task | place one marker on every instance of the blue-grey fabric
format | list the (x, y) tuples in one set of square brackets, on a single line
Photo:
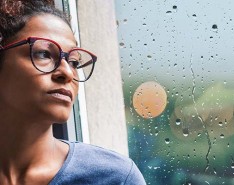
[(91, 165)]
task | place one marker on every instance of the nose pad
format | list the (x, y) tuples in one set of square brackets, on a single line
[(63, 73)]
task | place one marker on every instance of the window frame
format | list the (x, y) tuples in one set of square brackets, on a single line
[(77, 124)]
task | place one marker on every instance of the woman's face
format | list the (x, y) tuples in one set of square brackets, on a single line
[(29, 93)]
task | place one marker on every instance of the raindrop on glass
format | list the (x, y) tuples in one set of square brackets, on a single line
[(168, 12), (150, 167), (178, 121), (214, 26), (167, 140), (185, 132), (215, 172), (221, 136), (156, 131), (149, 57), (121, 44), (220, 124), (117, 23)]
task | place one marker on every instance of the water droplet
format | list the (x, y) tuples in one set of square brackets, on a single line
[(221, 136), (220, 124), (150, 167), (185, 132), (117, 23), (156, 134), (174, 7), (149, 56), (232, 166), (121, 44), (214, 26), (178, 121), (167, 140), (215, 172), (168, 12)]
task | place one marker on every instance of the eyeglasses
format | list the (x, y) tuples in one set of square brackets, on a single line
[(46, 56)]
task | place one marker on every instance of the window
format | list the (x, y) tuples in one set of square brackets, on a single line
[(177, 69), (77, 127)]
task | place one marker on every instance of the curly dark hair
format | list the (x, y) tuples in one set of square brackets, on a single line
[(14, 14)]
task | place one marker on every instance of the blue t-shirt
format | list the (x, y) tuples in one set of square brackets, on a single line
[(91, 165)]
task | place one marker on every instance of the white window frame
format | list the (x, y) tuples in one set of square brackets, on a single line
[(73, 131)]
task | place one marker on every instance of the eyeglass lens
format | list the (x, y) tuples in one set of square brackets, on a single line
[(46, 57)]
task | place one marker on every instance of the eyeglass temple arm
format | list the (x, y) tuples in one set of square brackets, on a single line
[(93, 60), (14, 45)]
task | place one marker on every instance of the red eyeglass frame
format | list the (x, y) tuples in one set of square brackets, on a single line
[(32, 40)]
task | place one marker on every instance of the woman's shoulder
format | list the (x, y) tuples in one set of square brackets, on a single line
[(89, 164), (96, 152), (101, 159)]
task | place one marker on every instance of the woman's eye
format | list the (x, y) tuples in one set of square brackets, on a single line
[(74, 63), (43, 54)]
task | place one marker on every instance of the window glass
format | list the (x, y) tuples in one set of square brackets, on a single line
[(177, 70), (76, 128)]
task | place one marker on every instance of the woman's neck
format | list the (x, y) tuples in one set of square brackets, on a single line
[(29, 152)]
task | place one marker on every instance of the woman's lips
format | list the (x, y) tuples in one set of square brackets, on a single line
[(61, 94)]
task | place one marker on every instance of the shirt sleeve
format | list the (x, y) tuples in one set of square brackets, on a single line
[(135, 177)]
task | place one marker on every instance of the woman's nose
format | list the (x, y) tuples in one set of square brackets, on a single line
[(63, 73)]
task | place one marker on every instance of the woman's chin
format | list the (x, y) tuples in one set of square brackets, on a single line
[(61, 119)]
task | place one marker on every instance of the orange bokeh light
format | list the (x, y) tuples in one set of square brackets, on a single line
[(149, 99)]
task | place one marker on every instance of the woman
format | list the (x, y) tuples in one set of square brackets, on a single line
[(41, 68)]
